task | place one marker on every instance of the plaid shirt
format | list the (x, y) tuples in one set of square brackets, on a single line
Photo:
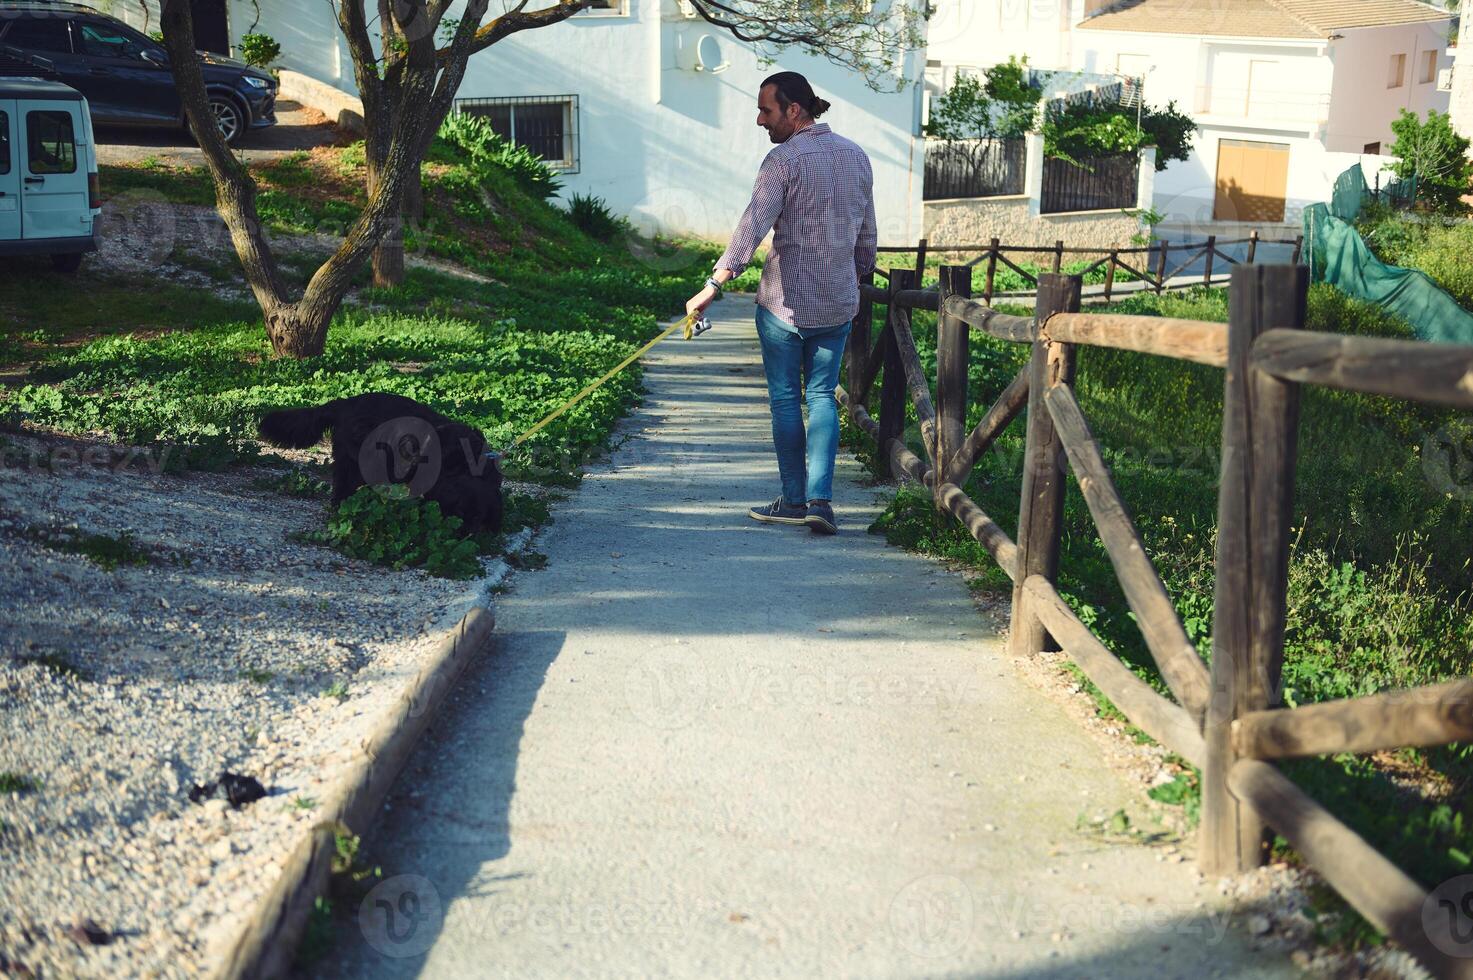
[(815, 192)]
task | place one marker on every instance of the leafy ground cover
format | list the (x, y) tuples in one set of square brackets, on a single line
[(1380, 575), (550, 309), (1423, 242)]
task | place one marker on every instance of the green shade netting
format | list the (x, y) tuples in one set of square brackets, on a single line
[(1340, 257)]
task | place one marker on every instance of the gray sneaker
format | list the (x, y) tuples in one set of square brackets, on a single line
[(820, 518), (779, 512)]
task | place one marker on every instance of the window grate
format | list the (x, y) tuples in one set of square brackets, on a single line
[(545, 124)]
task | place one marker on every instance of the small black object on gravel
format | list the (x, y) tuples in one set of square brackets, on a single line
[(89, 933), (238, 789)]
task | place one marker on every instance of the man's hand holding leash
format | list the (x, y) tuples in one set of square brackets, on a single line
[(695, 307)]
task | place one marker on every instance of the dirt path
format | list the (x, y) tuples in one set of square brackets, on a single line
[(297, 128), (706, 747)]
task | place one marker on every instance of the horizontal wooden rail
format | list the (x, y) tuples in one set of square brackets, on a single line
[(982, 527), (933, 248), (1181, 667), (1153, 714), (1414, 369), (922, 299), (1188, 340), (1003, 326), (1422, 716), (1378, 889)]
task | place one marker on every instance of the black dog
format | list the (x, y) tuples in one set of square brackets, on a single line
[(380, 438)]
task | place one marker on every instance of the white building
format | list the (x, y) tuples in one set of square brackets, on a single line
[(1288, 93), (641, 103), (1461, 81)]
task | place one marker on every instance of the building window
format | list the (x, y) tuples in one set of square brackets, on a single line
[(1372, 149), (547, 125), (1429, 67), (606, 8), (1398, 71)]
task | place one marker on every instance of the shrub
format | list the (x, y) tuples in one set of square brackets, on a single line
[(1001, 104), (1431, 153), (475, 137), (592, 215), (387, 526), (259, 50), (1081, 130)]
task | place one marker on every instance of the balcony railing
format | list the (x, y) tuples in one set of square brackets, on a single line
[(1262, 105)]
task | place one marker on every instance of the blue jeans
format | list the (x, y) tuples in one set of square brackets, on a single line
[(803, 364)]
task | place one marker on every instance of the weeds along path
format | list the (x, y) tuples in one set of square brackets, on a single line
[(700, 746)]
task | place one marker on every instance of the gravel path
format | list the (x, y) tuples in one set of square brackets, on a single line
[(707, 747), (232, 647)]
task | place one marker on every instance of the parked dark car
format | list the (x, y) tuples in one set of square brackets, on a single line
[(124, 74)]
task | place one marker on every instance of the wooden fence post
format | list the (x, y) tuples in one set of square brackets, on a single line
[(991, 272), (920, 263), (951, 374), (1110, 273), (1058, 254), (1041, 512), (1255, 499), (1252, 245), (1211, 252), (860, 336), (892, 388), (1161, 266)]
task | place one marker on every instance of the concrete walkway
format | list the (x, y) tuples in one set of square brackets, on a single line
[(703, 747)]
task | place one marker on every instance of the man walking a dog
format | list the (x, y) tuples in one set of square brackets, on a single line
[(814, 191)]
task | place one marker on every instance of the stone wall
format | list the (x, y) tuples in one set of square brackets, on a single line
[(974, 221)]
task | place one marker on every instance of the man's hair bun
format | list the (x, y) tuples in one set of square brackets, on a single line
[(817, 107)]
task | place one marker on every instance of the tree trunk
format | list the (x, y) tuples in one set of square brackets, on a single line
[(298, 329), (388, 254)]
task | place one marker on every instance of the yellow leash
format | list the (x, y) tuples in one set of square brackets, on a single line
[(691, 325)]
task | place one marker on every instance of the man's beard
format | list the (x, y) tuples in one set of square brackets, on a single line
[(776, 137)]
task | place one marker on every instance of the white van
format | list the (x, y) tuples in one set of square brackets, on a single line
[(48, 172)]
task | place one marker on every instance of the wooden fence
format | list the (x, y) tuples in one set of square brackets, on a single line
[(975, 168), (1224, 719), (1099, 183), (1150, 264)]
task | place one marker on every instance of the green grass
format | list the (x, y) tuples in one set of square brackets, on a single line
[(17, 783), (1379, 588), (108, 551), (1440, 250)]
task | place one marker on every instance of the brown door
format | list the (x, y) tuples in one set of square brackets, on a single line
[(1252, 179)]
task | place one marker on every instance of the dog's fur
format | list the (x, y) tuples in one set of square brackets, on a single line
[(467, 486)]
